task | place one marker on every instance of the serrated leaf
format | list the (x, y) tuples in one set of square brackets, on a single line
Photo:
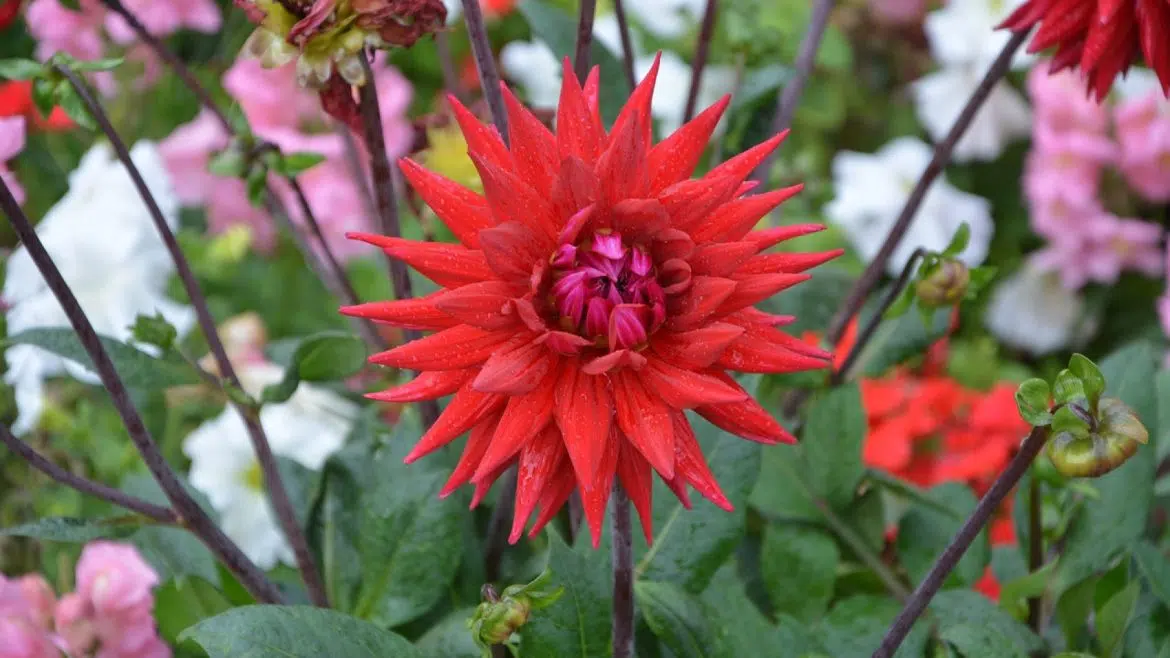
[(137, 369), (281, 631), (680, 621), (923, 534), (578, 624), (325, 356), (799, 566), (20, 69), (855, 626), (967, 608), (832, 442), (74, 530)]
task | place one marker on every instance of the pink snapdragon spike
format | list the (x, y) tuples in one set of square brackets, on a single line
[(11, 144)]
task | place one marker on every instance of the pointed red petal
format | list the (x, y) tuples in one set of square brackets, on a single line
[(693, 307), (534, 148), (644, 420), (575, 188), (578, 132), (746, 419), (516, 368), (745, 163), (595, 494), (614, 361), (634, 473), (477, 445), (484, 485), (427, 386), (513, 250), (691, 202), (584, 412), (721, 258), (540, 461), (592, 91), (524, 417), (461, 346), (746, 355), (482, 139), (687, 389), (785, 262), (465, 411), (639, 101), (733, 220), (770, 237), (487, 305), (418, 313), (463, 211), (638, 219), (621, 169), (513, 200), (755, 288), (553, 498), (765, 332), (675, 158), (448, 265), (697, 348), (691, 466)]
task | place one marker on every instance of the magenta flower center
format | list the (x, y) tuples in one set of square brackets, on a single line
[(607, 291)]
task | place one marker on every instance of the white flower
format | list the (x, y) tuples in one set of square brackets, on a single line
[(666, 19), (1004, 117), (307, 429), (1033, 312), (963, 32), (674, 83), (872, 188), (534, 66), (106, 246)]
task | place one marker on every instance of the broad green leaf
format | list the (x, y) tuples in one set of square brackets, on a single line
[(814, 302), (742, 629), (978, 642), (73, 530), (900, 339), (855, 626), (690, 545), (1113, 618), (578, 624), (1154, 568), (558, 29), (910, 492), (1074, 606), (182, 602), (680, 621), (279, 631), (1090, 375), (1014, 593), (832, 444), (972, 610), (450, 638), (136, 368), (924, 532), (172, 552), (20, 69), (1032, 401), (325, 356), (780, 491), (799, 566), (67, 98), (1162, 436), (1105, 527), (294, 164), (959, 242)]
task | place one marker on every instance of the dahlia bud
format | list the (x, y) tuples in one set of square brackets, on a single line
[(944, 285), (501, 615), (1089, 445)]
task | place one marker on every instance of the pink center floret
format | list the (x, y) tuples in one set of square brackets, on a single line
[(607, 289)]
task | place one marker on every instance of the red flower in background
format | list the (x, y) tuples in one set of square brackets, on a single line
[(1102, 37), (9, 10), (16, 100), (597, 292)]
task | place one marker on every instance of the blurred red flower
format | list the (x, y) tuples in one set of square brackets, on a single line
[(16, 100)]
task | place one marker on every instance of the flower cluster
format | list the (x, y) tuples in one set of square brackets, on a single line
[(110, 615), (1088, 173)]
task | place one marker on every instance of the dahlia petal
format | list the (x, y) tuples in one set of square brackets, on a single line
[(487, 305), (578, 132), (638, 219), (622, 166), (477, 445), (614, 361), (639, 102), (770, 237), (634, 473), (627, 325), (552, 499), (426, 386), (465, 411), (771, 335), (721, 258), (484, 485), (644, 419), (740, 166), (675, 276), (534, 147), (516, 370), (785, 262), (1063, 25), (592, 91), (692, 467), (461, 346), (512, 249), (697, 348), (595, 494), (460, 209), (705, 296), (572, 228), (753, 289), (540, 461), (675, 158), (565, 343), (746, 355), (482, 139), (575, 188), (583, 409), (745, 419), (420, 313), (1153, 19), (524, 418), (735, 219), (691, 202), (687, 389), (449, 265), (678, 486), (671, 243), (513, 200)]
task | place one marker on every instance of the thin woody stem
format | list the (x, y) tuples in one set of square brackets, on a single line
[(485, 64), (942, 155), (85, 485), (278, 495), (1035, 547), (447, 65), (706, 33), (191, 515), (581, 58), (623, 574), (961, 542), (791, 93), (619, 8)]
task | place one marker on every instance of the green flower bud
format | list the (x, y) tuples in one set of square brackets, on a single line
[(154, 330), (943, 285), (501, 615), (1088, 445)]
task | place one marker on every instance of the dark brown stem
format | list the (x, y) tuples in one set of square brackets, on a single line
[(790, 94), (623, 574), (961, 542), (1035, 547), (447, 64), (619, 8), (706, 33), (485, 64), (190, 514), (942, 155), (498, 525), (581, 58), (387, 199), (278, 495), (84, 485)]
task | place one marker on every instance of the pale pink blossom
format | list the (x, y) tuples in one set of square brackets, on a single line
[(1143, 132), (11, 144), (19, 638), (163, 17), (59, 29), (1102, 248), (271, 97), (898, 12), (24, 631), (1064, 116)]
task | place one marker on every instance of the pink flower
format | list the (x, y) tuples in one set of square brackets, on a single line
[(11, 143), (115, 578), (1104, 246), (1061, 190), (58, 29), (271, 97), (1061, 109), (898, 12), (24, 631), (19, 638), (1143, 131), (163, 17)]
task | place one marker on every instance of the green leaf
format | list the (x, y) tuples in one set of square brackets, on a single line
[(1113, 618), (1014, 593), (977, 642), (180, 603), (154, 330), (901, 305), (558, 29), (20, 69), (67, 98), (43, 95), (959, 242), (855, 626), (832, 444), (799, 567), (991, 624), (280, 631), (73, 530), (578, 624), (1073, 608), (89, 65), (740, 626), (295, 164), (924, 532), (1153, 565), (1068, 388), (1067, 420), (450, 638), (690, 545), (1032, 401), (172, 552), (901, 339), (780, 491), (1106, 527), (229, 163), (909, 492), (1090, 375), (325, 356), (137, 369), (680, 622)]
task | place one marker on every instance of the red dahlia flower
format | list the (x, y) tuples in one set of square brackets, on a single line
[(1102, 37), (598, 293)]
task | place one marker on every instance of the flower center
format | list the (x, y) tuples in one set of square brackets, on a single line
[(607, 291), (253, 477)]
